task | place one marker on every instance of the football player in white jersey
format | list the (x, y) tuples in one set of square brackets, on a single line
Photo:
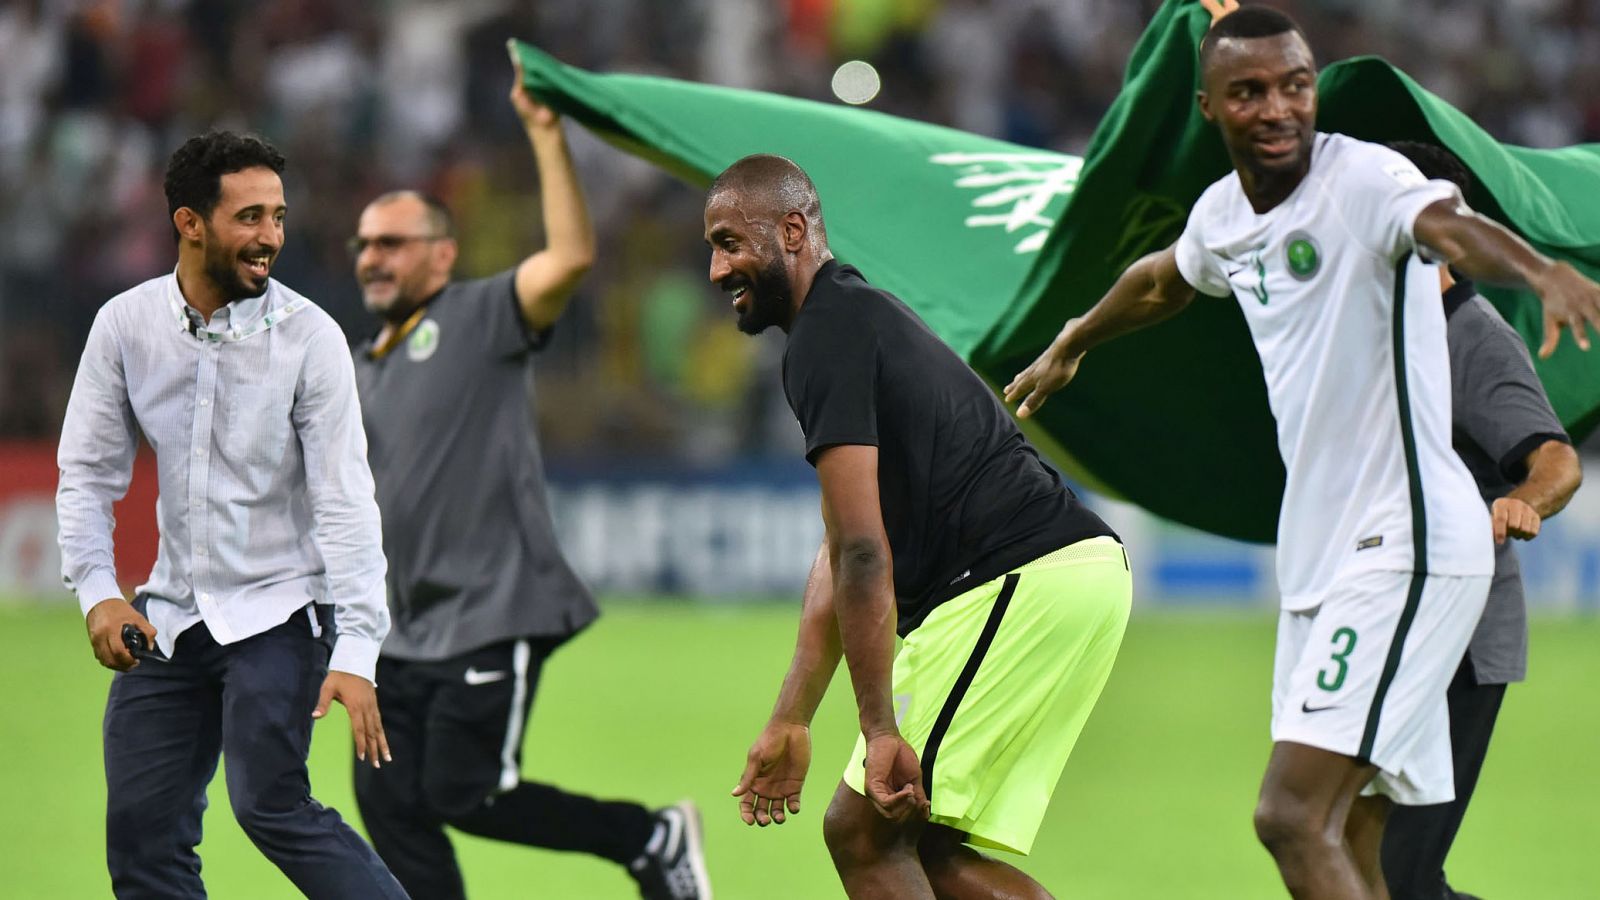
[(1384, 550)]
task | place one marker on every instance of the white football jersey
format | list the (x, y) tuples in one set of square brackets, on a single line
[(1352, 343)]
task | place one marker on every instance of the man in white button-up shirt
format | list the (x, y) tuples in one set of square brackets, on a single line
[(266, 602)]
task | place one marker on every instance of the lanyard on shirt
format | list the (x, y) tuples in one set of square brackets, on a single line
[(379, 351), (180, 311)]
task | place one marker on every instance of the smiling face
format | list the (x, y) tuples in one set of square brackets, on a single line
[(401, 259), (244, 233), (1262, 94), (747, 262)]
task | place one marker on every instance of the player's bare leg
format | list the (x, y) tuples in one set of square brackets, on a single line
[(1305, 802), (875, 858), (1363, 831), (958, 872)]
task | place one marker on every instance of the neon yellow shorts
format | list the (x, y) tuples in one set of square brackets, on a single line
[(993, 688)]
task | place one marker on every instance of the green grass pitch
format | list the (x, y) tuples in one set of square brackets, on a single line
[(659, 701)]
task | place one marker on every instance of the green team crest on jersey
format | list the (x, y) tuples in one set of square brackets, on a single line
[(1303, 255), (423, 341)]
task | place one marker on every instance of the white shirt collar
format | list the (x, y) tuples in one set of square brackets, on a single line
[(243, 318)]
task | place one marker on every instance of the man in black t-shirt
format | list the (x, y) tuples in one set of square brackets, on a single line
[(943, 525), (479, 592)]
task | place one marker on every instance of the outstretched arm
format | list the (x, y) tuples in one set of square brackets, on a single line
[(1486, 251), (546, 279), (1150, 291)]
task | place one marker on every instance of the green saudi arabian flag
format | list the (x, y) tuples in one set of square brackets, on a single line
[(947, 220), (995, 245)]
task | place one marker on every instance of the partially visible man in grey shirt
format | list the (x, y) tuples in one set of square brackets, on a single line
[(479, 590), (266, 601), (1526, 470)]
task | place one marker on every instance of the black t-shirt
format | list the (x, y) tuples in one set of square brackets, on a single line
[(965, 498)]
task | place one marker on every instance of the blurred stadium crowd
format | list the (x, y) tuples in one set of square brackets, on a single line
[(364, 97)]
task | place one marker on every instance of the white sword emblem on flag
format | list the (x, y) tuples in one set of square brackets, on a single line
[(1024, 182)]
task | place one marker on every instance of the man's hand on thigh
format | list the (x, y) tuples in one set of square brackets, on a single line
[(894, 779)]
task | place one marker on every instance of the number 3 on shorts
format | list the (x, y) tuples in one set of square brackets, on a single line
[(1340, 659)]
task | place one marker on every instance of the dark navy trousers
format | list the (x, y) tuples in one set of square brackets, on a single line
[(166, 723)]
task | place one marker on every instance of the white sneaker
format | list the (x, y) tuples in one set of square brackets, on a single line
[(673, 864)]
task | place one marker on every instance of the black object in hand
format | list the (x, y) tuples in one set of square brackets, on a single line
[(135, 641)]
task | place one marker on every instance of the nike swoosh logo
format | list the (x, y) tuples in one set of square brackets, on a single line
[(475, 678), (1306, 707), (1237, 271)]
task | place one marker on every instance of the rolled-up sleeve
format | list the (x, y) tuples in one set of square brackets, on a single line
[(98, 440), (344, 508)]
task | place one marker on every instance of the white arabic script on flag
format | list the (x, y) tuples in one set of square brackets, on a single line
[(1017, 187)]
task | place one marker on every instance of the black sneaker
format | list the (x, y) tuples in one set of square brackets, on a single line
[(673, 864)]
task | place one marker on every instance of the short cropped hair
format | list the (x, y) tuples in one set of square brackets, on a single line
[(775, 180), (1247, 22)]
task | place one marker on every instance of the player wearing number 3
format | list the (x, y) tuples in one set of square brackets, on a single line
[(1384, 549)]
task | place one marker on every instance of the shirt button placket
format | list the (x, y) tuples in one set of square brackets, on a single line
[(200, 474)]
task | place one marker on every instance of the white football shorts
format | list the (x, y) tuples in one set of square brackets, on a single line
[(1365, 672)]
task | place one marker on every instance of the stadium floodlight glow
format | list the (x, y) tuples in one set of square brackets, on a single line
[(856, 82)]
